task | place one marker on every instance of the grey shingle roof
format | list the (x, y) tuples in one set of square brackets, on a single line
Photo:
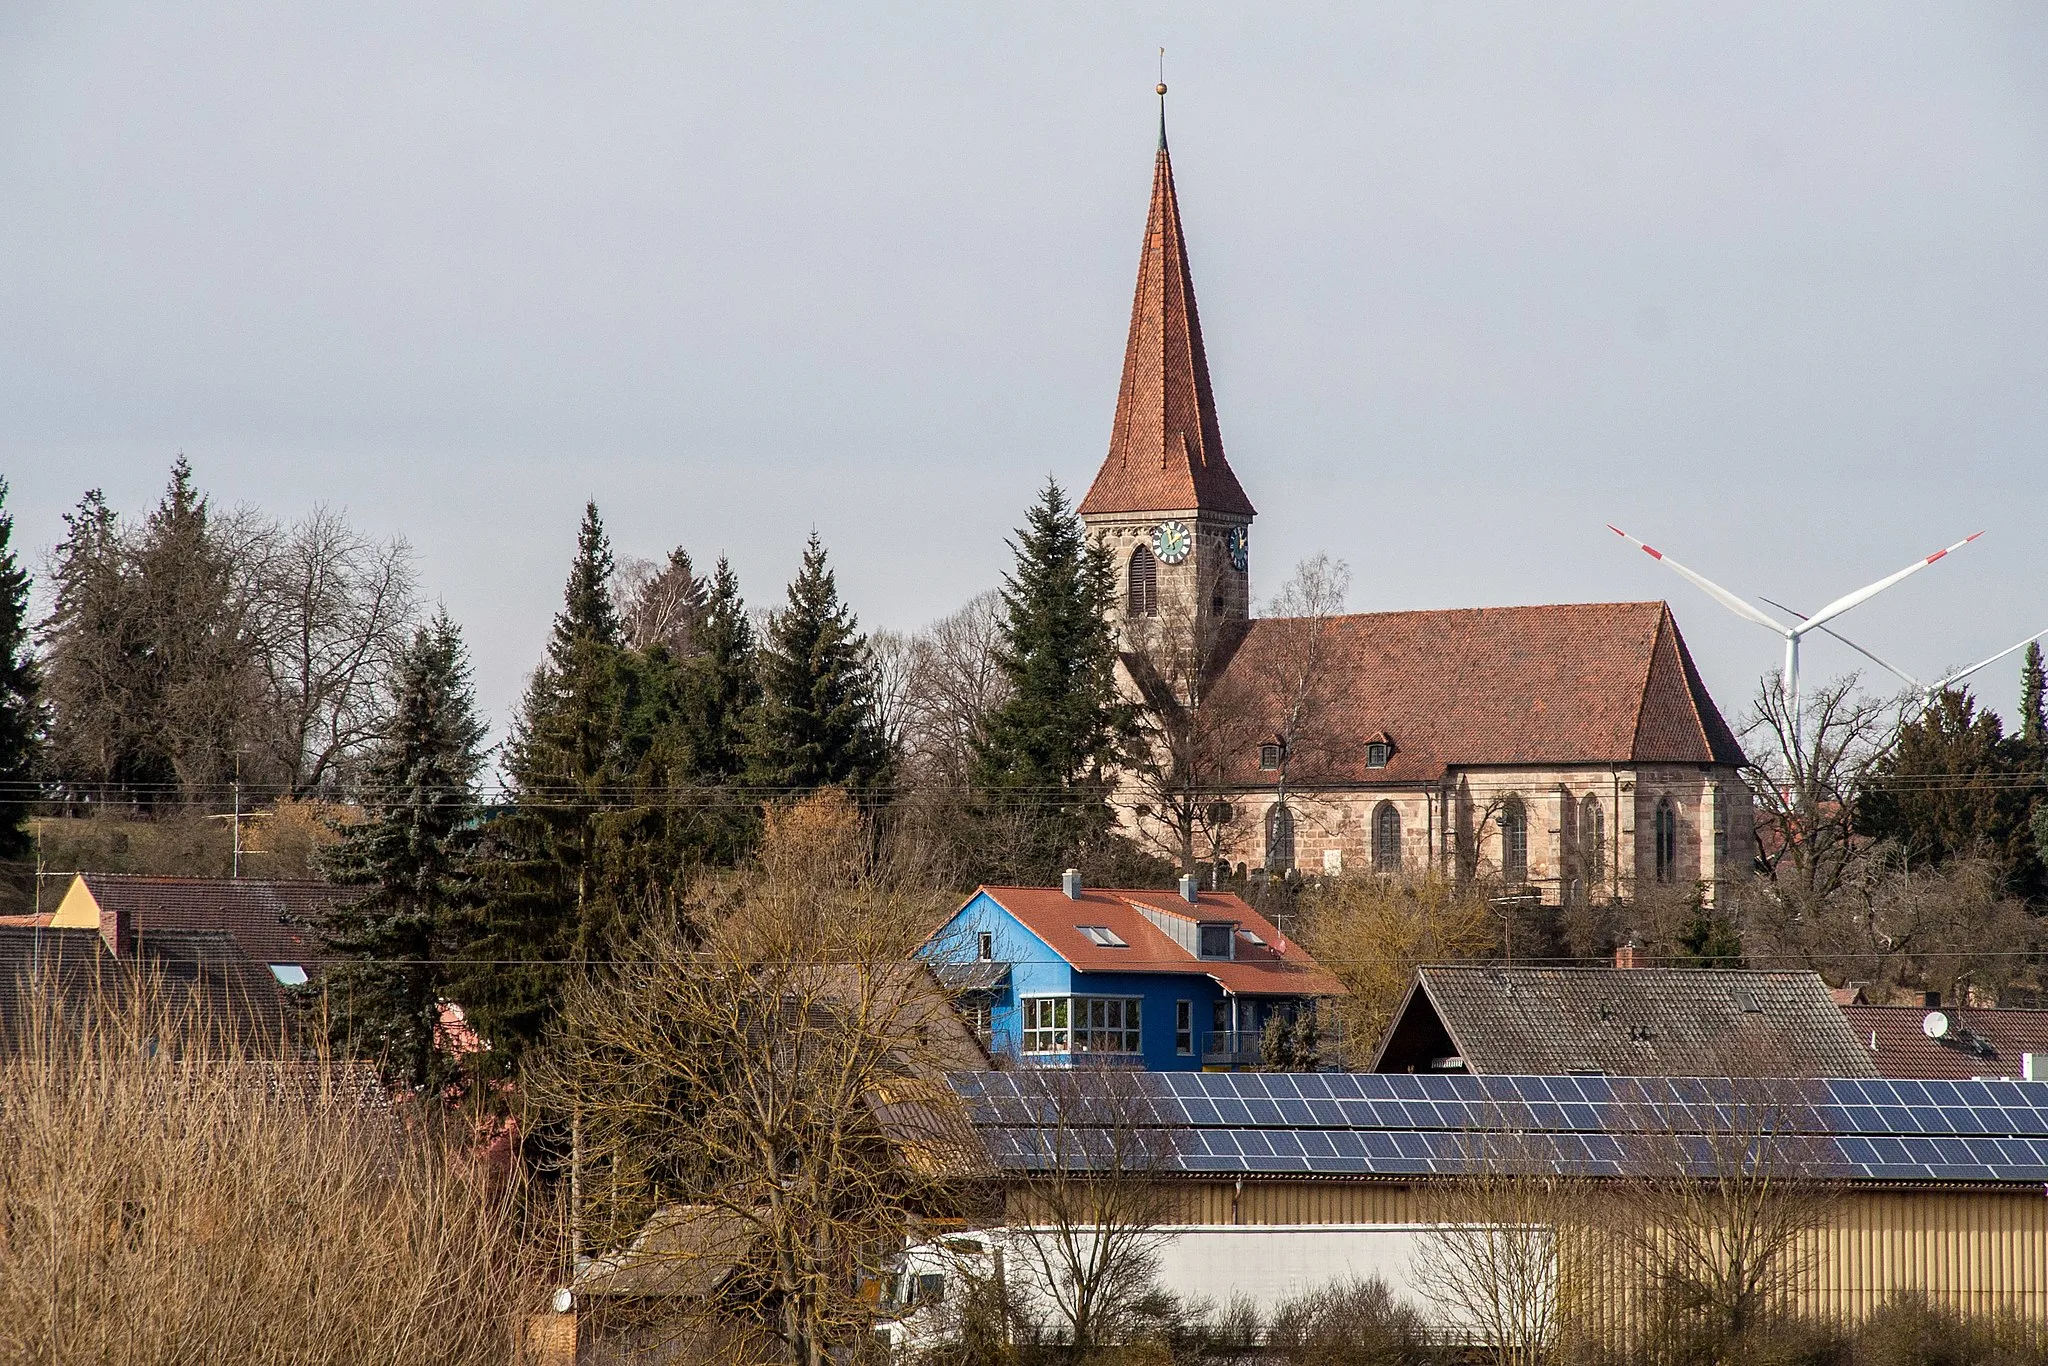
[(1626, 1022), (201, 968)]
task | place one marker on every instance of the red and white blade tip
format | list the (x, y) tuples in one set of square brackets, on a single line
[(1651, 551), (1957, 546)]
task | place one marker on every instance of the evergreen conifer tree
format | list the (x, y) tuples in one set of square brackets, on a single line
[(1047, 751), (21, 713), (411, 853), (727, 685), (816, 725), (543, 905), (2033, 697)]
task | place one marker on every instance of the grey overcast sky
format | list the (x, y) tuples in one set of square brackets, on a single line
[(1764, 284)]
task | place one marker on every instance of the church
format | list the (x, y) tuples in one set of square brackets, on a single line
[(1568, 752)]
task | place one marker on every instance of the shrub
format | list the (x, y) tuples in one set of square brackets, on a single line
[(167, 1198), (1348, 1323)]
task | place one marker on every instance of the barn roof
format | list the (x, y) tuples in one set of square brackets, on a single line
[(1500, 1019), (273, 920), (1989, 1043)]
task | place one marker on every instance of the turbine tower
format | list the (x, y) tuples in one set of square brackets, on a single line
[(1928, 691)]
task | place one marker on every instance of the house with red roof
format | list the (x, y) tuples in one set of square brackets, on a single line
[(1166, 981)]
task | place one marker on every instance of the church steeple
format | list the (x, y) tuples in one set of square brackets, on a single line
[(1165, 449)]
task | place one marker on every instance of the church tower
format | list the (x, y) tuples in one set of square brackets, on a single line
[(1165, 502)]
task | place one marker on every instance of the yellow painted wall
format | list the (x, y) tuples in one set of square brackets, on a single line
[(77, 911)]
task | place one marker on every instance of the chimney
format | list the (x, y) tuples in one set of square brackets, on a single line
[(1187, 889), (1931, 1001), (1628, 956), (117, 928), (1070, 883)]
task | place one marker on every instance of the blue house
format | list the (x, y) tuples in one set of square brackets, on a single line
[(1167, 981)]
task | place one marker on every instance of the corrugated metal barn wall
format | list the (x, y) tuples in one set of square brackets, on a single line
[(1973, 1250)]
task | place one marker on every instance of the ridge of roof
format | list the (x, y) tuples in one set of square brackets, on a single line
[(1165, 445)]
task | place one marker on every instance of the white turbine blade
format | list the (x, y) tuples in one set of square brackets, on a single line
[(1704, 584), (1889, 668), (1863, 595), (1983, 663)]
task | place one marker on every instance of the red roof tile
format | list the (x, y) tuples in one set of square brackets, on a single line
[(1165, 447), (1903, 1048), (1275, 967), (1566, 683)]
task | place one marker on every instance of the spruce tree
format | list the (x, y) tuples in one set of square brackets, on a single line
[(726, 684), (21, 712), (411, 852), (2033, 695), (816, 725), (1046, 753), (543, 906)]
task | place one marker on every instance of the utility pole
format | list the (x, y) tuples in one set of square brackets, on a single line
[(236, 873)]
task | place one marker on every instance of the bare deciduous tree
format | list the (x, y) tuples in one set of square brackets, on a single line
[(786, 1078), (1492, 1265), (1086, 1229), (1717, 1211), (660, 604), (950, 682), (331, 609)]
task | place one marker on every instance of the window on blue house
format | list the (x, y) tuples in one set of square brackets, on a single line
[(1184, 1028), (985, 946), (1106, 1024), (1214, 941), (1045, 1024)]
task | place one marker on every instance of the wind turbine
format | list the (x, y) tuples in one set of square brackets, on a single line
[(1928, 691), (1792, 634)]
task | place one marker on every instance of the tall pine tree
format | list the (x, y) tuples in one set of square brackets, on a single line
[(2033, 696), (1045, 757), (816, 725), (543, 905), (411, 852), (726, 687), (21, 711)]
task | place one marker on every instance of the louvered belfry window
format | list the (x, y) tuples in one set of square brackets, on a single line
[(1144, 583)]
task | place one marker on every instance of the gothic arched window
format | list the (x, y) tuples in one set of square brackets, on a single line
[(1667, 841), (1279, 838), (1386, 838), (1514, 843), (1144, 583), (1592, 839)]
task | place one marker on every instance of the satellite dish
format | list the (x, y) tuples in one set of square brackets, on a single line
[(1937, 1024), (565, 1300)]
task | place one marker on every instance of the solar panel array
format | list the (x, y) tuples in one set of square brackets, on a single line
[(1335, 1123)]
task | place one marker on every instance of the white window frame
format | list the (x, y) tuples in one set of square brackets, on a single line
[(1096, 1025), (1044, 1022), (985, 946), (1109, 1024), (1184, 1028)]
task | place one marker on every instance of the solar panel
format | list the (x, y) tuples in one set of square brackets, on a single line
[(1874, 1129)]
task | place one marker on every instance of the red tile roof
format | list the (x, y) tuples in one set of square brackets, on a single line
[(1276, 967), (1904, 1050), (271, 920), (1566, 683), (1165, 448)]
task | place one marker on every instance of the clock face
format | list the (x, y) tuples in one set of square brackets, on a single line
[(1171, 542), (1239, 543)]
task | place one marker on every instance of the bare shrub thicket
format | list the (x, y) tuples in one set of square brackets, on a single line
[(783, 1078), (1713, 1223), (166, 1198), (1372, 932), (1492, 1266)]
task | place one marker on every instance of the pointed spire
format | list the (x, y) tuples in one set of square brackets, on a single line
[(1165, 448)]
